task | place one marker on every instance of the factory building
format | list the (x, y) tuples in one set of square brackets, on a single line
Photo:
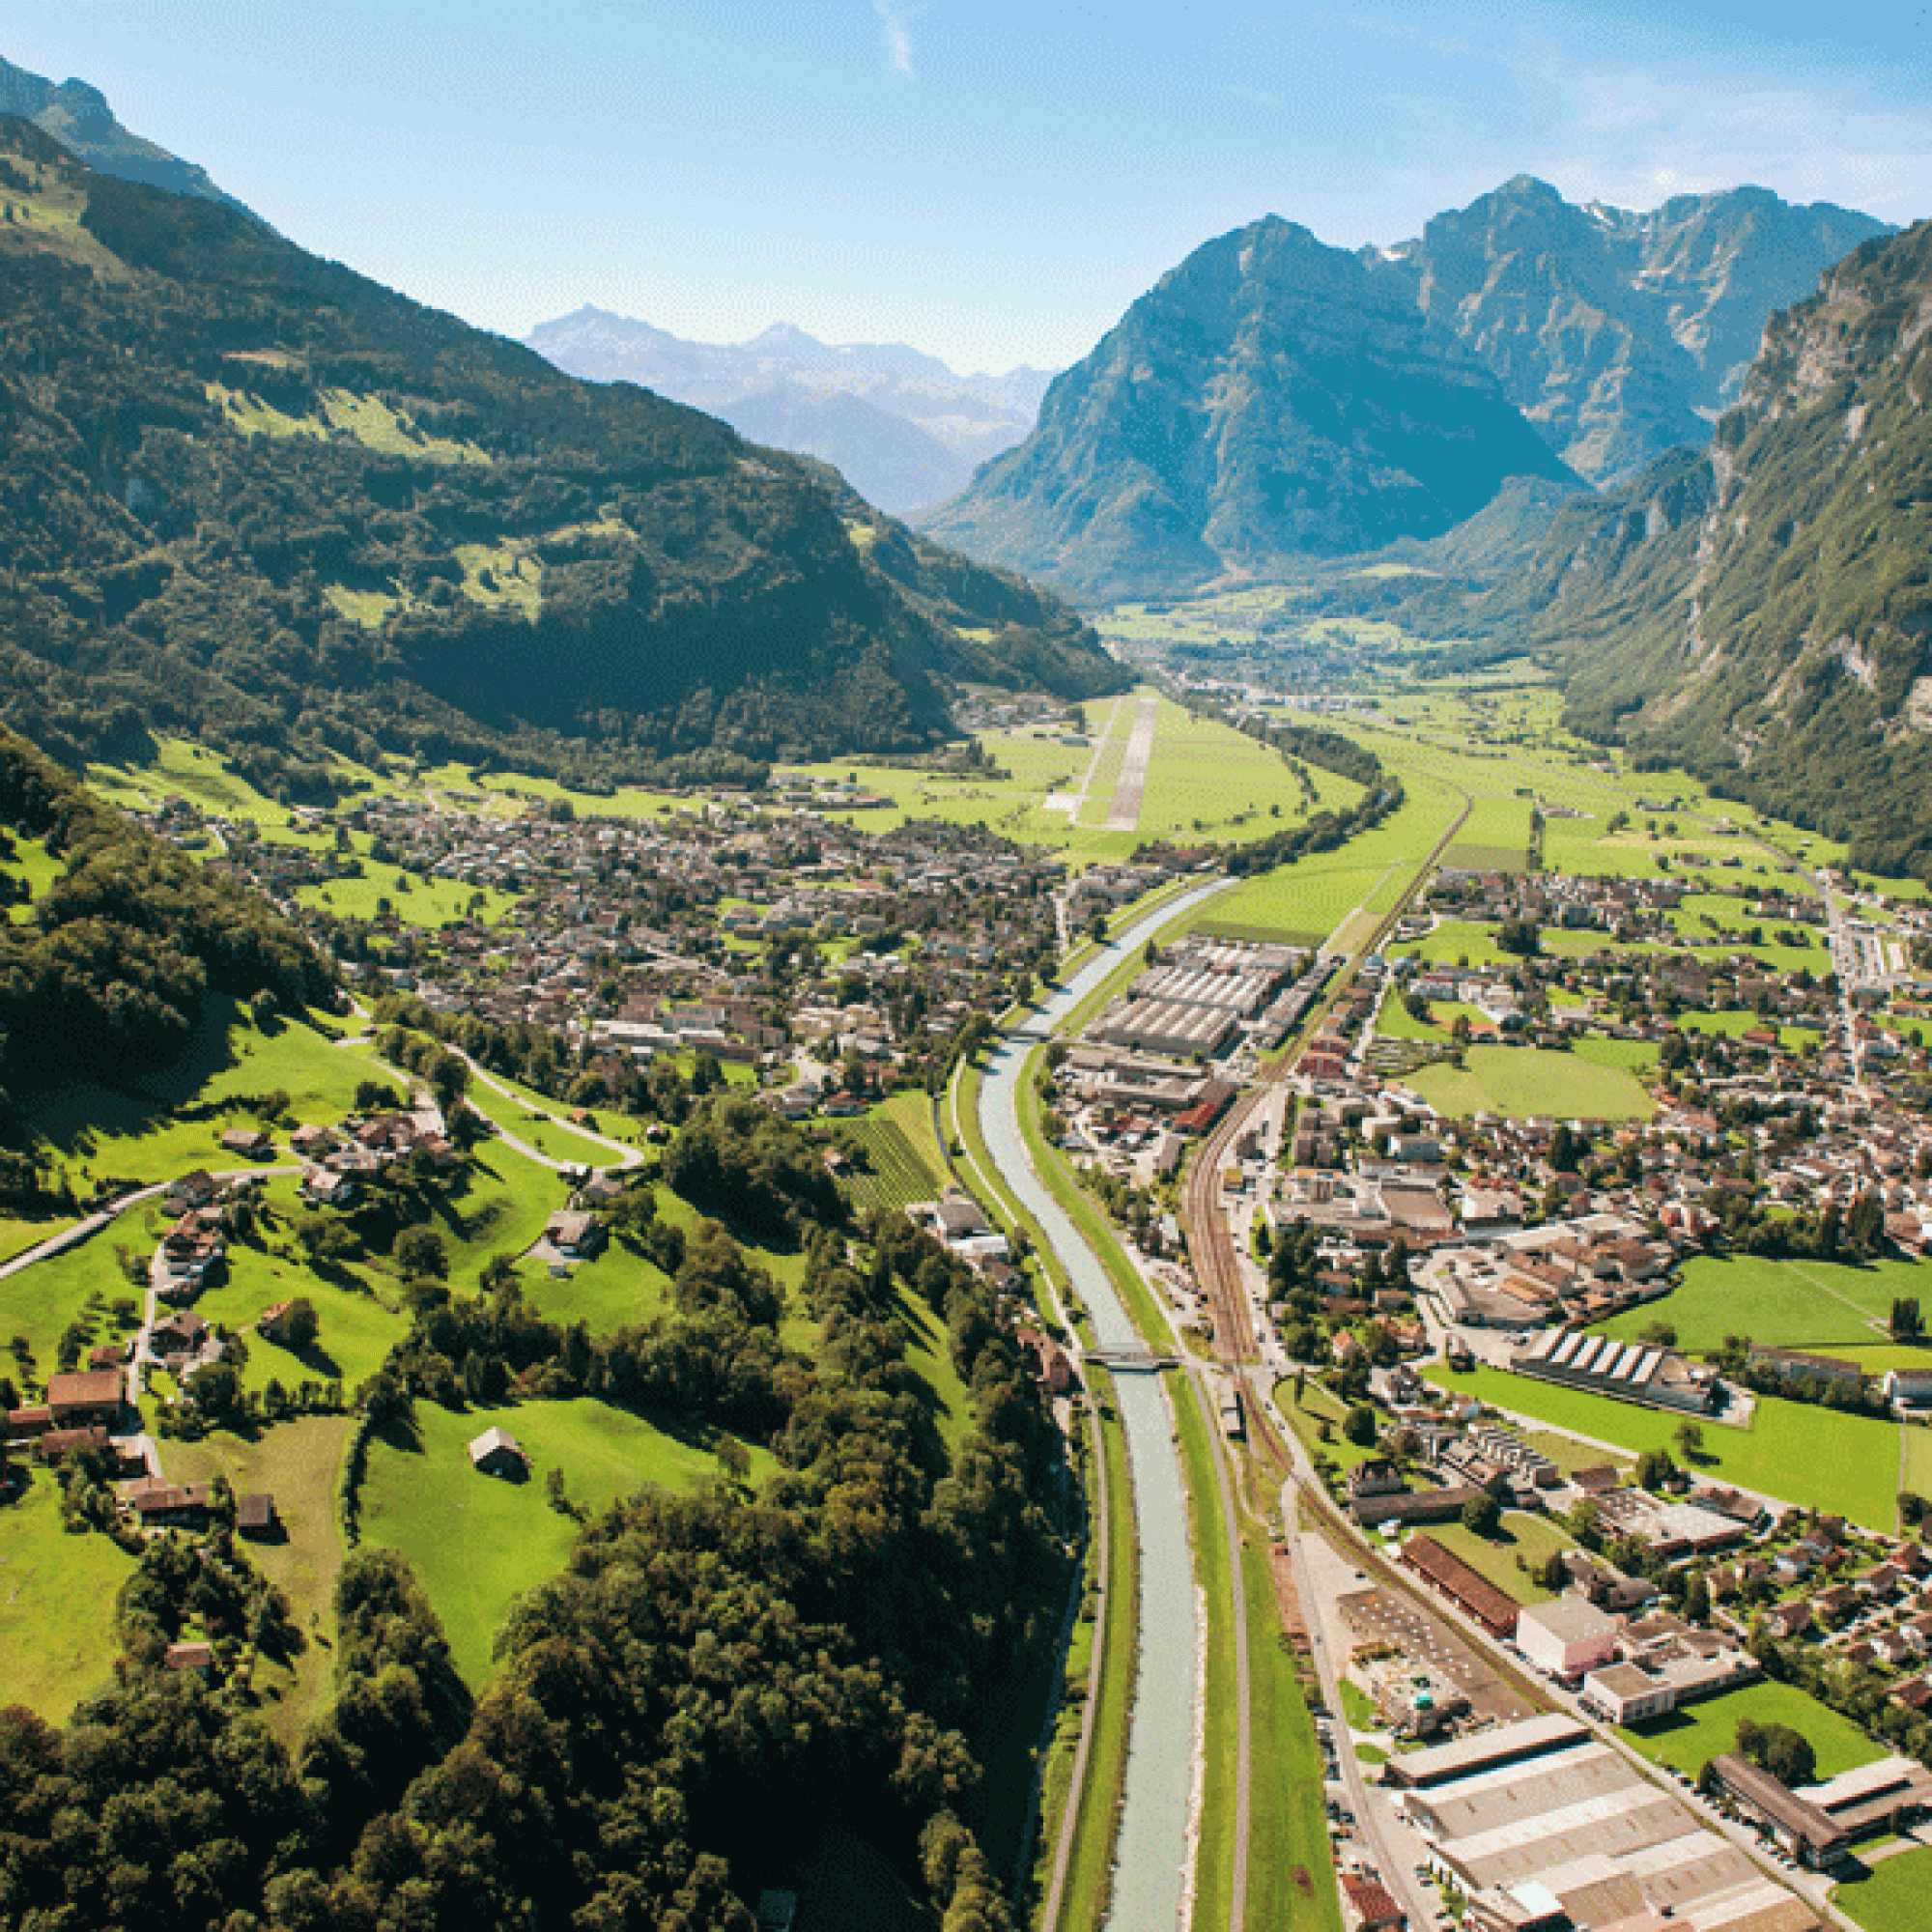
[(1543, 1829), (1660, 1378)]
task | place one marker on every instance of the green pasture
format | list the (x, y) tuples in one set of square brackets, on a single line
[(299, 1463), (1891, 1896), (1784, 1304), (1811, 1457), (476, 1542), (1518, 1082), (1686, 1739), (57, 1600)]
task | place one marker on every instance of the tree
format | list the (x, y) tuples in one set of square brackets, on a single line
[(1551, 1573), (1360, 1427), (300, 1325), (420, 1251), (1653, 1469), (1690, 1439), (325, 1238), (1482, 1515)]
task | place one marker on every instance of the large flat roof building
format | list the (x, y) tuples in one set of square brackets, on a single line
[(1547, 1830)]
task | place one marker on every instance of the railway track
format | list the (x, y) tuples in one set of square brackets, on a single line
[(1210, 1243)]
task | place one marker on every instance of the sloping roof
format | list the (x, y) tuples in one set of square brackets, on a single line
[(491, 1441), (1776, 1801)]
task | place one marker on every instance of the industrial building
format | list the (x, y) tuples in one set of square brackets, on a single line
[(1164, 1026), (1197, 1000), (1545, 1828), (1566, 1638), (1659, 1378)]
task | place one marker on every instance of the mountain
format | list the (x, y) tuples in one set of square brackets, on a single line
[(1761, 610), (1620, 334), (253, 497), (78, 116), (1270, 400), (973, 417), (889, 460)]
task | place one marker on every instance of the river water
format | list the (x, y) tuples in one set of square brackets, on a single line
[(1151, 1854)]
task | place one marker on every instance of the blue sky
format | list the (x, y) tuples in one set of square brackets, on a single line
[(991, 179)]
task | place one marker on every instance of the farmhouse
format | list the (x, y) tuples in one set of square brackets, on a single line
[(498, 1453), (573, 1234), (94, 1396)]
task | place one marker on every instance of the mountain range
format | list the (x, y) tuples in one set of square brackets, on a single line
[(254, 498), (78, 116), (1619, 333), (1270, 400), (1273, 399), (903, 428), (1761, 609)]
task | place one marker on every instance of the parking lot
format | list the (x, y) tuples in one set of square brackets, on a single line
[(1385, 1616)]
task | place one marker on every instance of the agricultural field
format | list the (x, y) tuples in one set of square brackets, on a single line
[(1295, 905), (1520, 1082), (897, 1156), (57, 1601), (1687, 1739), (1918, 1462), (298, 1464), (1797, 1452), (476, 1542), (1785, 1304)]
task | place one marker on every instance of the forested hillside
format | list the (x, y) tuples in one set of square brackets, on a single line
[(718, 1688), (253, 497), (104, 975), (1763, 613)]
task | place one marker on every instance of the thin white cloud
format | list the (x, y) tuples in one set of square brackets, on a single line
[(896, 17)]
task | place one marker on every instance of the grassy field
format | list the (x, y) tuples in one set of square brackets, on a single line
[(1918, 1461), (1891, 1898), (1291, 1867), (39, 1301), (1090, 1868), (1518, 1082), (296, 1463), (57, 1598), (476, 1542), (1520, 1535), (415, 901), (1787, 1304), (1816, 1458), (32, 864), (139, 1134), (537, 1127), (1216, 1582), (1687, 1739)]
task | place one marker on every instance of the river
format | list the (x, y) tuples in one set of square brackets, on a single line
[(1151, 1854)]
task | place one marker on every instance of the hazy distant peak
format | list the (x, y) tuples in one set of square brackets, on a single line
[(960, 419)]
